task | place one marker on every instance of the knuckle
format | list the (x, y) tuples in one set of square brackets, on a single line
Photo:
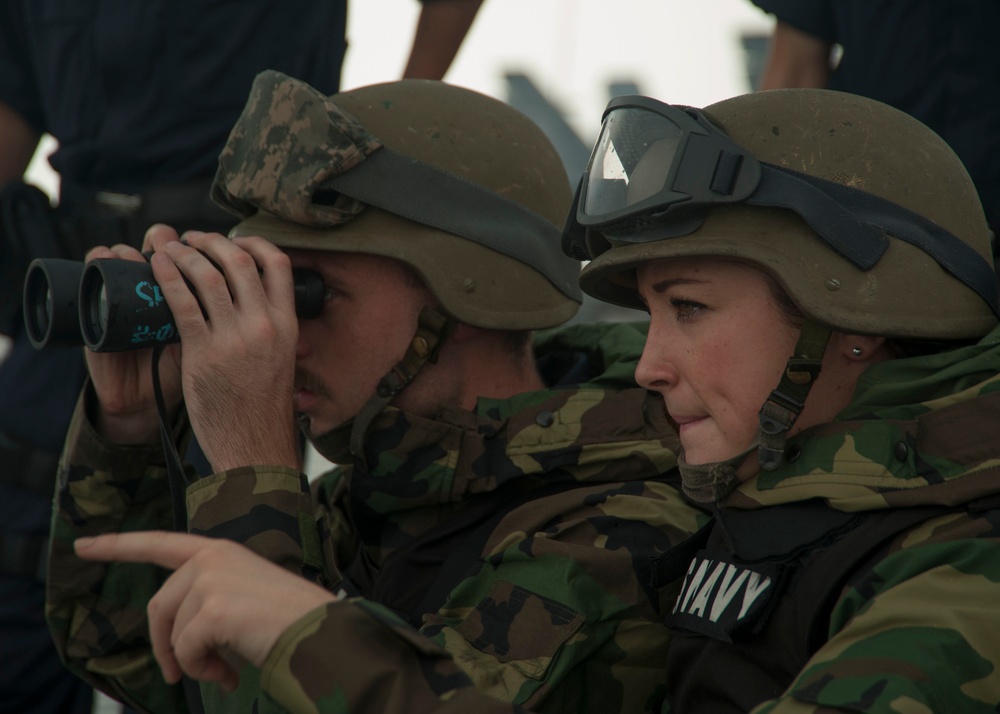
[(280, 259), (244, 261), (215, 281)]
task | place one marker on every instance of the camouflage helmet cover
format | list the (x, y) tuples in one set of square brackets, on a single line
[(856, 142), (292, 142)]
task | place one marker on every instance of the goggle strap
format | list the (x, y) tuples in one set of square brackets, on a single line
[(785, 403), (855, 240), (859, 234), (442, 200)]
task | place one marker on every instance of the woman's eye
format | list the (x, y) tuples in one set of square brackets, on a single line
[(686, 309), (329, 294)]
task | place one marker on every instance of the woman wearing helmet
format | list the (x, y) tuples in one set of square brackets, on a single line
[(823, 309)]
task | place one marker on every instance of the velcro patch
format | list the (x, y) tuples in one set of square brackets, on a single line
[(721, 598)]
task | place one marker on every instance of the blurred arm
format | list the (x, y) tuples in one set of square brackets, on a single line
[(442, 27), (18, 141), (796, 59)]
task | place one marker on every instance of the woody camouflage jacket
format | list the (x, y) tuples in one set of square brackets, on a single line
[(864, 574), (496, 559)]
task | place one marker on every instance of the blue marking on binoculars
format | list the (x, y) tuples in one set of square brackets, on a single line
[(143, 334), (155, 298)]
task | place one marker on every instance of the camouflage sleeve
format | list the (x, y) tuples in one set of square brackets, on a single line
[(266, 508), (96, 612), (269, 510), (916, 633), (559, 615), (338, 535), (356, 657)]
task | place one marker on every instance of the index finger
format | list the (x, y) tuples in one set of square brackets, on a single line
[(164, 548), (158, 235)]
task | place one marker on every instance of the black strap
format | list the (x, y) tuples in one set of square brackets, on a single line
[(858, 233), (175, 468), (854, 239), (450, 203), (178, 485)]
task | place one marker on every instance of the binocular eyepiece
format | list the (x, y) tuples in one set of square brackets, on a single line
[(114, 305)]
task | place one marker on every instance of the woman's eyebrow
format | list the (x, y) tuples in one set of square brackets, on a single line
[(661, 286)]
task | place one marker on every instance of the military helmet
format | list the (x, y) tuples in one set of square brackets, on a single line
[(866, 218), (461, 187)]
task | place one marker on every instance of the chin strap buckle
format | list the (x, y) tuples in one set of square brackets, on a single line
[(787, 400), (432, 329)]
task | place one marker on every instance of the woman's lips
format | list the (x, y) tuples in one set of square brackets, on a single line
[(685, 422)]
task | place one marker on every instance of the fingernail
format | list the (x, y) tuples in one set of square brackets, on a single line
[(84, 542)]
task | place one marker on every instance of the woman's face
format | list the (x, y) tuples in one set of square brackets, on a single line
[(717, 346)]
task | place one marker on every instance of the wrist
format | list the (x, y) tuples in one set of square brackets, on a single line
[(127, 428)]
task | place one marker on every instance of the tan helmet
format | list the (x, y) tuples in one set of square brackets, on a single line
[(864, 216), (461, 187), (918, 257)]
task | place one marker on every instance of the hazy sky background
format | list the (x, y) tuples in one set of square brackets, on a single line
[(680, 52)]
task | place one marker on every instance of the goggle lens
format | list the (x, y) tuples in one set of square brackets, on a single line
[(631, 161)]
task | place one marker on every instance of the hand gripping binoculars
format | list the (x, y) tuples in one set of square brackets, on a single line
[(114, 305)]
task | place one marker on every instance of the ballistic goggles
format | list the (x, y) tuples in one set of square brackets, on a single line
[(657, 169)]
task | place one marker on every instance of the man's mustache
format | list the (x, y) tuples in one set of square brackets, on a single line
[(304, 379)]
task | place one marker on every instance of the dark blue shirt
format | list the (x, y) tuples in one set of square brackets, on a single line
[(144, 92)]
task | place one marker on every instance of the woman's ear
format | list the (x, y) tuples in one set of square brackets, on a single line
[(860, 348)]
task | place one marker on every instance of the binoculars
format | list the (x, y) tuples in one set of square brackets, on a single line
[(114, 305)]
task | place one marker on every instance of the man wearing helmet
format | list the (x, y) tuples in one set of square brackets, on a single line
[(823, 334), (512, 511)]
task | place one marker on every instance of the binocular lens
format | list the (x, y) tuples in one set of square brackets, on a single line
[(50, 302), (40, 318), (102, 307)]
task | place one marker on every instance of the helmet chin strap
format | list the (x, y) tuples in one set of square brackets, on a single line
[(432, 329), (785, 403), (711, 482)]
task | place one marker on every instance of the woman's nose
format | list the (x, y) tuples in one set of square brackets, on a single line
[(657, 368)]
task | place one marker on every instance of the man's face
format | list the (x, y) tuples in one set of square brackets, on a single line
[(368, 319)]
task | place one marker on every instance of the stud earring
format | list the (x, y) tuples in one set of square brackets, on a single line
[(856, 351)]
